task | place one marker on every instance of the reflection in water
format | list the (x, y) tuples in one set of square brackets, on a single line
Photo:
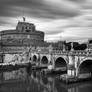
[(23, 81), (17, 74)]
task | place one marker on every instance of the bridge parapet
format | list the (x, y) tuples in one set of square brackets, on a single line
[(58, 52), (82, 53), (76, 52)]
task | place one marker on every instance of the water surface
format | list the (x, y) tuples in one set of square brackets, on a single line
[(24, 81)]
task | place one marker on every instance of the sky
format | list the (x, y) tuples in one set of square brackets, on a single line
[(69, 20)]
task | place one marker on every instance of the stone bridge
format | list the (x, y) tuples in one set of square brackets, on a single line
[(76, 62)]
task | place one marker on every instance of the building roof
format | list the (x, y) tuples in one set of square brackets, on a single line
[(22, 28)]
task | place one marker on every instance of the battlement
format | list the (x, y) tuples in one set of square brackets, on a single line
[(24, 26)]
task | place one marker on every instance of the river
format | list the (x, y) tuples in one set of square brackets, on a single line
[(33, 81)]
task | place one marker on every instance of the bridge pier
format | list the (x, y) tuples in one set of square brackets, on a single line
[(71, 70), (68, 59)]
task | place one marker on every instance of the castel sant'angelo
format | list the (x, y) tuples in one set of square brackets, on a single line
[(13, 42), (25, 34)]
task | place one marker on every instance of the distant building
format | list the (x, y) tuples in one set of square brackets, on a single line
[(89, 44), (59, 45)]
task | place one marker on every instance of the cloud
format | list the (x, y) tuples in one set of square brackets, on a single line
[(66, 19), (53, 37), (41, 10), (54, 26), (38, 8)]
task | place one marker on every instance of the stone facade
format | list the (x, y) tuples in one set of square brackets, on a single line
[(76, 62), (25, 34), (14, 41)]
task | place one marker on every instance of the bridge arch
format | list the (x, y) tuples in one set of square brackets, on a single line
[(60, 62), (44, 60), (85, 67), (34, 58)]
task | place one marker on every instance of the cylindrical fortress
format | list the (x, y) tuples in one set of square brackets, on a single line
[(14, 41), (24, 34)]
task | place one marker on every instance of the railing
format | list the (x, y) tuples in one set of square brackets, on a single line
[(75, 52), (59, 52)]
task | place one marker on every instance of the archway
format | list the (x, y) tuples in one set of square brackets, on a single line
[(85, 67), (34, 58), (60, 62), (44, 60)]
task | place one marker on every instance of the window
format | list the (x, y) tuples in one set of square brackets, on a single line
[(29, 27), (27, 30), (26, 27)]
